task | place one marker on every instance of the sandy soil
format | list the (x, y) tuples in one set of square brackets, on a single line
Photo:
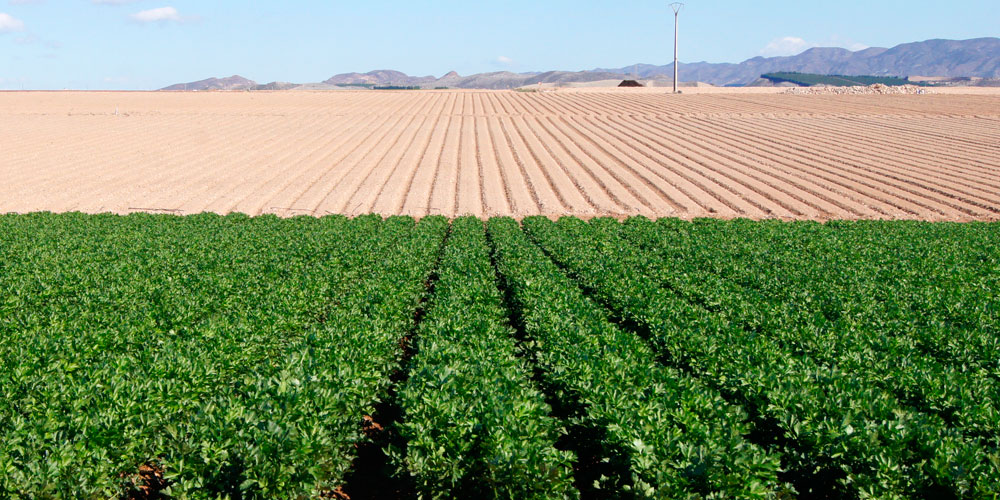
[(707, 152)]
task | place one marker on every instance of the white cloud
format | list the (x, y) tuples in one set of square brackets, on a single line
[(159, 15), (785, 46), (25, 2), (10, 24), (505, 60)]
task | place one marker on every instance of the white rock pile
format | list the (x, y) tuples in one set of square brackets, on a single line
[(877, 89)]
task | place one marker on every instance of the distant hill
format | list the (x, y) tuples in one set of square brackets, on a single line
[(234, 82), (380, 77), (275, 86), (978, 57)]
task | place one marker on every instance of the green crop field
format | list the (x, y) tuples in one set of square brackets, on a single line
[(206, 357)]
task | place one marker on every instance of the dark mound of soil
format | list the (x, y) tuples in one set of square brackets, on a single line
[(630, 83)]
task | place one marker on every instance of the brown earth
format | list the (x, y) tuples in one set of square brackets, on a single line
[(147, 484), (630, 151)]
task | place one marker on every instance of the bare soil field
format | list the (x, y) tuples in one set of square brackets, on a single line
[(712, 153)]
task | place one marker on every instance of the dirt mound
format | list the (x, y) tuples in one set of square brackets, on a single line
[(147, 484), (630, 83)]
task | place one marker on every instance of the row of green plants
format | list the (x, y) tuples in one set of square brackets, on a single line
[(833, 427), (241, 357), (474, 423), (935, 281), (663, 434), (332, 384), (902, 310), (234, 354), (116, 334)]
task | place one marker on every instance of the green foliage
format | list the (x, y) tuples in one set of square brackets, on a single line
[(475, 425), (238, 354), (678, 438), (810, 80), (703, 359), (896, 305), (358, 85), (832, 420)]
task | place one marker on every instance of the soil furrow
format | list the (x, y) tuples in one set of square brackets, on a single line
[(554, 151)]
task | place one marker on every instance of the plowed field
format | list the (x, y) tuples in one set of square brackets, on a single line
[(934, 157)]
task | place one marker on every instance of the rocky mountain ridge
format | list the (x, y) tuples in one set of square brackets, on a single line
[(978, 57)]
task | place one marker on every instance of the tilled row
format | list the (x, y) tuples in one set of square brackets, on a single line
[(515, 154)]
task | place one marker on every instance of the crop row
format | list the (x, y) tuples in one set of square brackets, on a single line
[(904, 335), (474, 424), (225, 351), (936, 282), (675, 436), (237, 357), (830, 423), (123, 325)]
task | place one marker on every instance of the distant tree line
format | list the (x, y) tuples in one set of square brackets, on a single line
[(810, 80)]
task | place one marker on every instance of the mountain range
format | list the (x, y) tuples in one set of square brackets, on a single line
[(979, 57)]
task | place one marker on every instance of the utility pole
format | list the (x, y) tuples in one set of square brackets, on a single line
[(677, 10)]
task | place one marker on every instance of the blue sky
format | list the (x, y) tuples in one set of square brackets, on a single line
[(147, 44)]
